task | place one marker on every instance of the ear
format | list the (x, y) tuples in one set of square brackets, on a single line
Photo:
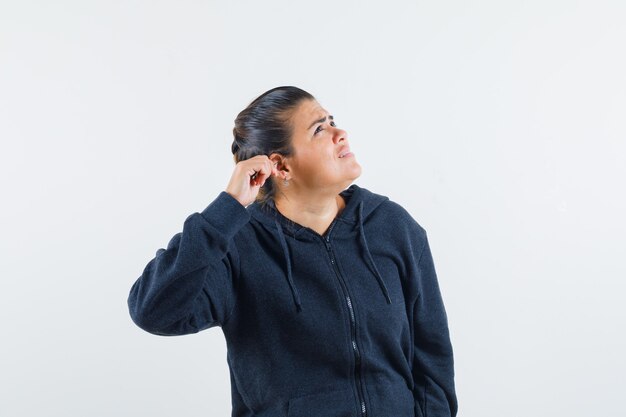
[(281, 164)]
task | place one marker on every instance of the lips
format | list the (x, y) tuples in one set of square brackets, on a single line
[(344, 150)]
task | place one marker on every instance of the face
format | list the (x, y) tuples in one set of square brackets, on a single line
[(318, 142)]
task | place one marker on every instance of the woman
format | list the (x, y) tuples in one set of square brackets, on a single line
[(327, 296)]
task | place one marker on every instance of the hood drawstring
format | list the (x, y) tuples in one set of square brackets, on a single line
[(369, 255), (369, 260), (283, 243)]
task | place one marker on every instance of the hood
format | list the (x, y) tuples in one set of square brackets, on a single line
[(360, 203)]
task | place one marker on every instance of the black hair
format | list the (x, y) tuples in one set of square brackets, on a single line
[(264, 127)]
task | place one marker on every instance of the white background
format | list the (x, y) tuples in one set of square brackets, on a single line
[(498, 124)]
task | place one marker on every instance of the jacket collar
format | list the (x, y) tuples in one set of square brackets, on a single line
[(354, 195)]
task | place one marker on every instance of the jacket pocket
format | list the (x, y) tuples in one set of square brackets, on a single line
[(391, 399), (339, 403), (418, 410)]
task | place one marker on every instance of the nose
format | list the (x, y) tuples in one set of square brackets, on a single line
[(340, 135)]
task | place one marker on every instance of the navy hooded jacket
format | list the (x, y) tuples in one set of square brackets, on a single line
[(348, 324)]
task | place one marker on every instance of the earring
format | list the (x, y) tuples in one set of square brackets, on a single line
[(286, 181)]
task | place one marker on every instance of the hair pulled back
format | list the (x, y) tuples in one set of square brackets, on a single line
[(264, 128)]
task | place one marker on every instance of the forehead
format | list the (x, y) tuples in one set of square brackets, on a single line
[(309, 111)]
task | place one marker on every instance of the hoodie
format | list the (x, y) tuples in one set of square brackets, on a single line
[(346, 324)]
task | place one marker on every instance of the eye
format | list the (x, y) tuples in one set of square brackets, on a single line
[(319, 128)]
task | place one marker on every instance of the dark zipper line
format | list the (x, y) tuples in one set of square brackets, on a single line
[(326, 240)]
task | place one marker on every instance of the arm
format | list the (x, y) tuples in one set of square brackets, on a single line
[(189, 286), (433, 363)]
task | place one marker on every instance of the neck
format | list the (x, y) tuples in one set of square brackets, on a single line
[(313, 210)]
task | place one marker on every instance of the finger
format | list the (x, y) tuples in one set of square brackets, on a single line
[(271, 170), (260, 175), (268, 168)]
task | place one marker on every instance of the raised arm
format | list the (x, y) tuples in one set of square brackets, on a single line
[(191, 285)]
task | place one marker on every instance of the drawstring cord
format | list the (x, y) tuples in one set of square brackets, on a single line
[(283, 243), (381, 283), (369, 260)]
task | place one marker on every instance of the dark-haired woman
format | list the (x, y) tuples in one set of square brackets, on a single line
[(326, 292)]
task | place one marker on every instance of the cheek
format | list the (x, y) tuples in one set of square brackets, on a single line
[(308, 162), (315, 160)]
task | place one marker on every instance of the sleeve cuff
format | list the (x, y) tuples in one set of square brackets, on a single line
[(226, 214)]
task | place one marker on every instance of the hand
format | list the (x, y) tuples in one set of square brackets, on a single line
[(249, 176)]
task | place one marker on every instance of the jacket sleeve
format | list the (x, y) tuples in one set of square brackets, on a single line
[(190, 286), (433, 363)]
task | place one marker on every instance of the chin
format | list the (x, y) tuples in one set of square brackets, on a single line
[(351, 179), (356, 173)]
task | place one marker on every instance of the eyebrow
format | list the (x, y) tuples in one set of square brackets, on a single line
[(322, 120)]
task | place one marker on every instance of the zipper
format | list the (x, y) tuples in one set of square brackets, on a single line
[(357, 355)]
